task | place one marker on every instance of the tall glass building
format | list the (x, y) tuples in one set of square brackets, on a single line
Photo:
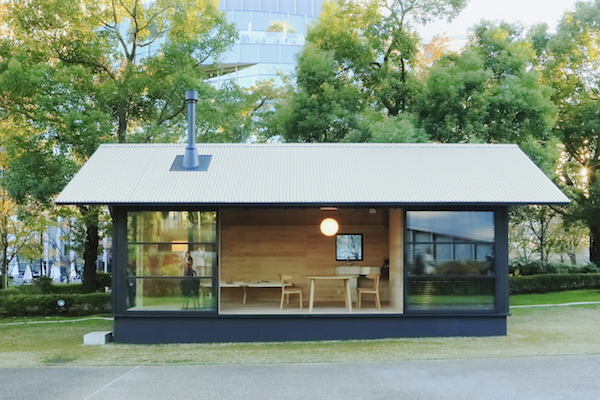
[(271, 33)]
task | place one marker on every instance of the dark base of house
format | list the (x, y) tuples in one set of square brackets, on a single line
[(148, 330)]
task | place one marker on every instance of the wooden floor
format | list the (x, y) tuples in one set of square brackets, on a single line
[(272, 308)]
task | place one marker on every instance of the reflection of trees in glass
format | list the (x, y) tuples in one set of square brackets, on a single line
[(349, 247), (151, 257)]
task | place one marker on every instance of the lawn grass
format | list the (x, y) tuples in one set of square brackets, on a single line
[(570, 296), (544, 331)]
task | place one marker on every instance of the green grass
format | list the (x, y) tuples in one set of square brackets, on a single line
[(451, 300), (544, 331), (570, 296)]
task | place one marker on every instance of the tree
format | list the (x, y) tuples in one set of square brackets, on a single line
[(488, 93), (360, 57), (77, 73), (570, 61), (571, 239), (539, 222), (324, 105), (17, 235), (374, 43)]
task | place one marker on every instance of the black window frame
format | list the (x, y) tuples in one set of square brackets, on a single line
[(120, 245), (500, 218)]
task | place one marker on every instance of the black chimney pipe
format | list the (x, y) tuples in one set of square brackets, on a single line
[(190, 158)]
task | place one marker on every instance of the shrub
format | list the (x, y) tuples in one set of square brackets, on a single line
[(538, 267), (67, 288), (43, 284), (46, 304), (553, 283), (102, 280)]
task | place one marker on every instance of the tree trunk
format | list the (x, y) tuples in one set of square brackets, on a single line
[(4, 246), (90, 252), (595, 244), (4, 265), (122, 131)]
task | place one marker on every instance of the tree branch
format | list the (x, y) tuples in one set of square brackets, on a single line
[(89, 64), (154, 17), (116, 29)]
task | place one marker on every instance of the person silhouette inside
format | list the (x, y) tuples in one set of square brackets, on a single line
[(190, 287)]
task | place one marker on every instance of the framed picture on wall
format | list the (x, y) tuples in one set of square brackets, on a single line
[(349, 247)]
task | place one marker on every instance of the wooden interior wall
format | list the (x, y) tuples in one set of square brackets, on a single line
[(261, 243), (396, 247)]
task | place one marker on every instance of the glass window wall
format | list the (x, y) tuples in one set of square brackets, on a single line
[(171, 261), (450, 260)]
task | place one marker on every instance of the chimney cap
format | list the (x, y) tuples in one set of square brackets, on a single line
[(191, 95)]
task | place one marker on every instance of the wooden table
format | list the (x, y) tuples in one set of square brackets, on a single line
[(245, 285), (345, 278)]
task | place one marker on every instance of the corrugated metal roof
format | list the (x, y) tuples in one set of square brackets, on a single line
[(313, 174)]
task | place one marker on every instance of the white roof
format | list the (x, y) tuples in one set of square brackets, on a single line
[(316, 174)]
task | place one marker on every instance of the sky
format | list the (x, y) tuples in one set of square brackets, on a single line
[(528, 12)]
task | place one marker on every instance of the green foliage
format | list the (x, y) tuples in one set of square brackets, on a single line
[(489, 92), (35, 173), (78, 73), (324, 106), (375, 128), (546, 283), (46, 304), (10, 291), (43, 284), (537, 267), (360, 58), (570, 62), (69, 288), (103, 280)]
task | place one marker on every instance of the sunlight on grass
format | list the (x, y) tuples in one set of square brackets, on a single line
[(531, 332)]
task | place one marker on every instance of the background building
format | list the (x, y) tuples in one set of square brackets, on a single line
[(271, 34)]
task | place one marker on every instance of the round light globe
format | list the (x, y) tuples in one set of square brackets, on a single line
[(329, 226)]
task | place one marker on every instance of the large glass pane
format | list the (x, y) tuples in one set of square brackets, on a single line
[(169, 294), (249, 53), (464, 251), (234, 4), (251, 4), (286, 6), (268, 5), (303, 7), (171, 257), (450, 260), (439, 293), (288, 53), (260, 21), (297, 21), (242, 19), (443, 252), (269, 53), (171, 226)]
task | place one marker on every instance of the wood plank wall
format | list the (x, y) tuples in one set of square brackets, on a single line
[(396, 284), (261, 243)]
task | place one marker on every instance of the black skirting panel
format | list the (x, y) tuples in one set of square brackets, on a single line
[(147, 330)]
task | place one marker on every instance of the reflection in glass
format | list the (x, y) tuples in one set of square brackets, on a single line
[(171, 256), (450, 260)]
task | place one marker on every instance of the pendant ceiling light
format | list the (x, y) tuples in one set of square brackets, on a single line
[(329, 226)]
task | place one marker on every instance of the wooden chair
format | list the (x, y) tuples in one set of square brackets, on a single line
[(287, 288), (374, 290)]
